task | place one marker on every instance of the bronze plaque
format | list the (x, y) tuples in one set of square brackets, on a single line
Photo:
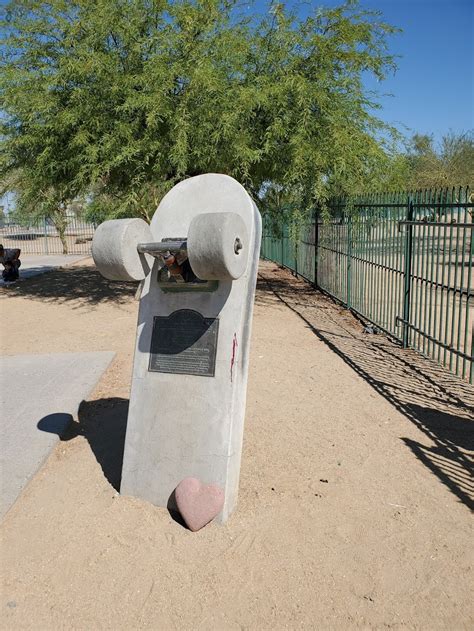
[(184, 343)]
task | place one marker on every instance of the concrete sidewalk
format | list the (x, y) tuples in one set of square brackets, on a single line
[(40, 394)]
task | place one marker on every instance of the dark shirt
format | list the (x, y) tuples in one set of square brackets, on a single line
[(9, 255)]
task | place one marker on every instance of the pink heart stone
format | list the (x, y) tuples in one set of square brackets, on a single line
[(198, 503)]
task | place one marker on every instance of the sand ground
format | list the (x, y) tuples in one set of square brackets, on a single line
[(354, 496)]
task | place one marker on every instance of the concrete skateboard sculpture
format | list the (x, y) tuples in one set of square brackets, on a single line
[(198, 261)]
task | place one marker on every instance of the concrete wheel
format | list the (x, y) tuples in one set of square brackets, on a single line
[(218, 246), (114, 249)]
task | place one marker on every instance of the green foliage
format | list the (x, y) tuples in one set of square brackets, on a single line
[(98, 211), (120, 99), (450, 164)]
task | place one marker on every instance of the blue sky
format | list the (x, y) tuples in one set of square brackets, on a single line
[(433, 88)]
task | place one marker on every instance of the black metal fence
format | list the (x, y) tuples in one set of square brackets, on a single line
[(402, 261)]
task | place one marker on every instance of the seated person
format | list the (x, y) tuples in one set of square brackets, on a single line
[(10, 258)]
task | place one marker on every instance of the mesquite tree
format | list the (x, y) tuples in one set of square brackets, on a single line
[(120, 99)]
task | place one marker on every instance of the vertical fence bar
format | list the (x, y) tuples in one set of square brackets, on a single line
[(282, 251), (365, 267), (443, 278), (349, 262), (316, 248), (377, 270), (45, 232), (446, 324), (460, 262), (415, 269), (456, 266), (295, 248), (468, 301), (407, 274), (393, 265), (425, 269), (401, 236), (432, 288), (469, 306), (437, 277)]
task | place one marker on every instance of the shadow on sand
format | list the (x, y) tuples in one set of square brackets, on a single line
[(437, 402), (103, 424), (82, 283)]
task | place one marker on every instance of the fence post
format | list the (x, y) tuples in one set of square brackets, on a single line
[(471, 369), (296, 258), (282, 244), (46, 249), (407, 278), (349, 261), (316, 248)]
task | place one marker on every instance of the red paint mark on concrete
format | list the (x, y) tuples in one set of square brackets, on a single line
[(234, 352)]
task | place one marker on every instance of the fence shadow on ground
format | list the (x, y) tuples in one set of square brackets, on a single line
[(437, 402), (103, 424), (83, 284)]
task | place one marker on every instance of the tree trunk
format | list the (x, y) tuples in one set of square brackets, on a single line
[(60, 223), (63, 239)]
